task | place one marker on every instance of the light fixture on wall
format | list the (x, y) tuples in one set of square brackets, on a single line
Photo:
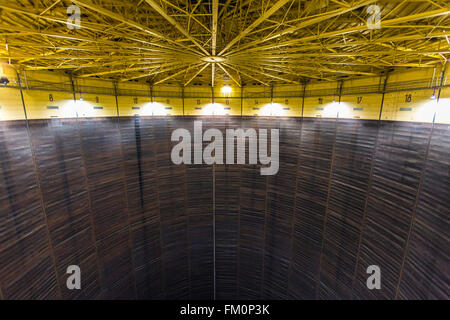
[(336, 109), (272, 110), (154, 109), (214, 109), (226, 89), (433, 96)]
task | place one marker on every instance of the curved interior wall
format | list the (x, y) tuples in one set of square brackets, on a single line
[(400, 95), (102, 193)]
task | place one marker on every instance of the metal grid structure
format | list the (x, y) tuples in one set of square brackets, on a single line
[(216, 41)]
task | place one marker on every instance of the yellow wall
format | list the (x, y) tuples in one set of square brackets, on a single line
[(369, 103), (11, 107), (195, 106), (38, 104), (127, 103), (252, 106), (396, 106), (108, 103), (443, 112), (313, 108), (233, 107), (357, 106), (172, 106)]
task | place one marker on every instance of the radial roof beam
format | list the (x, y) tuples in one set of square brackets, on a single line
[(268, 74), (224, 7), (256, 23), (176, 74), (360, 42), (215, 17), (115, 71), (304, 24), (334, 70), (88, 4), (29, 12), (191, 15), (19, 31), (196, 74), (129, 69), (161, 70), (350, 30), (213, 73), (354, 54), (289, 71), (229, 74), (246, 74), (172, 21)]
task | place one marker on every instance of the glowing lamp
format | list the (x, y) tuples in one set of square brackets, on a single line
[(226, 89)]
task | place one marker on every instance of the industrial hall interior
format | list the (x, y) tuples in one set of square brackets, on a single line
[(224, 150)]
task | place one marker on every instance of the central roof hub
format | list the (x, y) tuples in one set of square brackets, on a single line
[(213, 59)]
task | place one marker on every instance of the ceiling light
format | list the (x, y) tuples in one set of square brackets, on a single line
[(226, 89)]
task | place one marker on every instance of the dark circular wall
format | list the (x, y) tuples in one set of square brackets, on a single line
[(103, 194)]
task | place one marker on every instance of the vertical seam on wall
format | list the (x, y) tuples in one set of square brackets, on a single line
[(182, 97), (238, 251), (303, 99), (214, 227), (163, 277), (325, 218), (124, 180), (264, 241), (291, 252), (91, 212), (265, 230), (366, 203), (419, 189), (413, 214), (369, 188), (1, 294), (91, 218), (38, 184), (242, 100), (188, 241)]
